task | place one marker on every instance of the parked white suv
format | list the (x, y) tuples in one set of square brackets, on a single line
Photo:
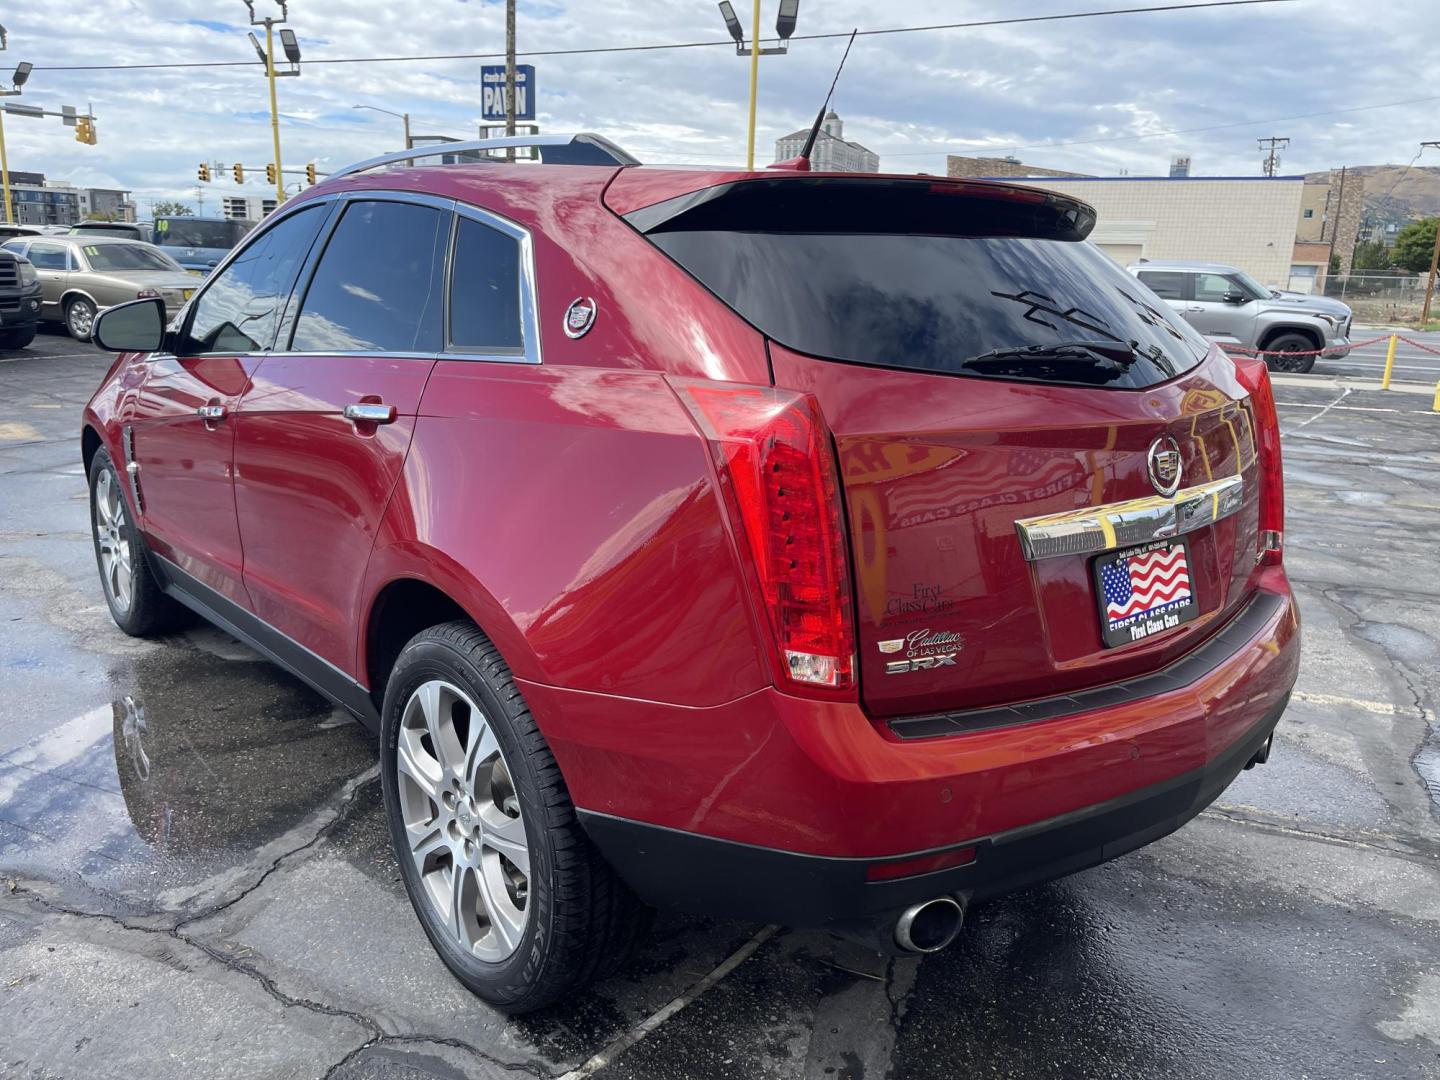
[(1222, 301)]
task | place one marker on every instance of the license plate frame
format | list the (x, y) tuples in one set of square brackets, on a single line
[(1164, 615)]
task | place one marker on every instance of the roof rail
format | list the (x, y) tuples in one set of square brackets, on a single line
[(582, 148)]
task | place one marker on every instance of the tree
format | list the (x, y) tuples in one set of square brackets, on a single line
[(99, 215), (1334, 262), (1370, 255), (1415, 245), (172, 209)]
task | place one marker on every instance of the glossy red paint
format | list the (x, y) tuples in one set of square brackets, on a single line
[(312, 486), (185, 463), (639, 594), (938, 469), (823, 778), (573, 510)]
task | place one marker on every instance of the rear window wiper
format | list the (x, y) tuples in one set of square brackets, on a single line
[(1120, 353)]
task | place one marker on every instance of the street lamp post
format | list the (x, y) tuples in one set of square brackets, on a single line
[(18, 80), (405, 117), (785, 20), (267, 57)]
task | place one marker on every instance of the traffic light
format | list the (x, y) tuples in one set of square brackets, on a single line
[(85, 130), (310, 173), (270, 173), (203, 173), (238, 171)]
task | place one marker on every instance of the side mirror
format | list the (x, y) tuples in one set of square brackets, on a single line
[(1235, 296), (137, 326)]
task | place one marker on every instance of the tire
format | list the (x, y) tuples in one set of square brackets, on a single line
[(1289, 343), (136, 603), (18, 338), (541, 913), (79, 318)]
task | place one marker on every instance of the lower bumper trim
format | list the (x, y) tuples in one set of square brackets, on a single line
[(672, 869)]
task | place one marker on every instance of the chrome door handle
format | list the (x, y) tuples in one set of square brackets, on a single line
[(371, 414), (211, 412)]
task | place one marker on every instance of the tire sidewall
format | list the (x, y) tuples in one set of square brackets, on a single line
[(1306, 363), (431, 658), (126, 620)]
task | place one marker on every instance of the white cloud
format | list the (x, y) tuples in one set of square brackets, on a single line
[(911, 97)]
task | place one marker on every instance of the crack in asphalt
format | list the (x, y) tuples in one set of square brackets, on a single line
[(376, 1033), (349, 792), (1237, 816)]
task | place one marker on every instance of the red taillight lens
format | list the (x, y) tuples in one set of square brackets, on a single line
[(1256, 379), (777, 464)]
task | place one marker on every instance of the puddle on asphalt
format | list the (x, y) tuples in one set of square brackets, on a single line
[(204, 758)]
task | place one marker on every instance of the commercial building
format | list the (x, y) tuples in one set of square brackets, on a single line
[(247, 207), (53, 202), (39, 205), (832, 151), (1282, 230), (1245, 221), (996, 168)]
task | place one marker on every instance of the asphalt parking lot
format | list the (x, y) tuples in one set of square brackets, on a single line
[(195, 878)]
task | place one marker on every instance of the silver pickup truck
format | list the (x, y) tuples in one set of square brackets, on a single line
[(1221, 301)]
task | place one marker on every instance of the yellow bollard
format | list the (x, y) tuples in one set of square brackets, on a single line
[(1389, 362), (1435, 405)]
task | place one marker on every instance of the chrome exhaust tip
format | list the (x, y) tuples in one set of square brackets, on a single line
[(930, 925)]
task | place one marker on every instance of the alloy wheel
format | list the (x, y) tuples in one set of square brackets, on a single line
[(1287, 360), (80, 318), (112, 535), (462, 821)]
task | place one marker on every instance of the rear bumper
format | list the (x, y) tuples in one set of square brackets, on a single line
[(673, 869), (774, 808)]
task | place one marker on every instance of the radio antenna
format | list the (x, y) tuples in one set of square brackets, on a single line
[(802, 162)]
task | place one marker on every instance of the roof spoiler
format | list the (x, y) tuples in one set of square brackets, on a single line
[(583, 148)]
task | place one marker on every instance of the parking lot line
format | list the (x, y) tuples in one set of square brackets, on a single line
[(652, 1022)]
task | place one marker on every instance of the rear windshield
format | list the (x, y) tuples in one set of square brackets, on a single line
[(128, 257), (919, 280), (178, 232)]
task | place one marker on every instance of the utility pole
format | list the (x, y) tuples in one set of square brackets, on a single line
[(267, 57), (1272, 158), (784, 27), (1434, 259), (509, 75)]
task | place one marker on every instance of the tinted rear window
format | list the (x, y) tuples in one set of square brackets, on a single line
[(921, 280)]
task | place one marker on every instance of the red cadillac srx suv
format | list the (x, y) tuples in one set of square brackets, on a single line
[(821, 549)]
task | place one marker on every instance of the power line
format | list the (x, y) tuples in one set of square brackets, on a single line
[(992, 144), (727, 43)]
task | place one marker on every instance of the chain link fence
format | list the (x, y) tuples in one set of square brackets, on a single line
[(1380, 296)]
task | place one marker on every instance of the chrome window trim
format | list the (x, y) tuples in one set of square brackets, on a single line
[(300, 290), (529, 352), (1129, 523)]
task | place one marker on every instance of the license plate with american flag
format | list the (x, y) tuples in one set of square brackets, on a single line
[(1144, 591)]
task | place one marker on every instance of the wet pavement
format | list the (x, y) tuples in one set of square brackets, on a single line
[(195, 878)]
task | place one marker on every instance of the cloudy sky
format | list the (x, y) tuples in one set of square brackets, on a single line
[(1097, 95)]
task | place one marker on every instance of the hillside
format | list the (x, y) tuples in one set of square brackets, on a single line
[(1392, 191)]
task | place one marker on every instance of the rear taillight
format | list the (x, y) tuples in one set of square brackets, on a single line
[(1256, 379), (777, 466)]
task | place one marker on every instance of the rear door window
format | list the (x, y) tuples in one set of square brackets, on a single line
[(50, 256), (920, 276), (1165, 284), (485, 291), (377, 287)]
